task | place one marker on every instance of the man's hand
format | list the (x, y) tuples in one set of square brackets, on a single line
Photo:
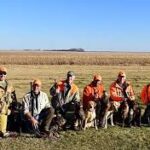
[(34, 122), (57, 90), (96, 96), (9, 89)]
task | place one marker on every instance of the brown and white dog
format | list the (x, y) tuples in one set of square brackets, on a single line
[(90, 116), (107, 110), (109, 115)]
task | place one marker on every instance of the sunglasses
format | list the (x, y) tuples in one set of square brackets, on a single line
[(2, 73), (122, 76)]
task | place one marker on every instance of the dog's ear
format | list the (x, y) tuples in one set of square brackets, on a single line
[(88, 105)]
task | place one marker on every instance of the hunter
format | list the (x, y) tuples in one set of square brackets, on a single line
[(122, 92), (7, 96), (66, 100), (94, 92), (37, 109)]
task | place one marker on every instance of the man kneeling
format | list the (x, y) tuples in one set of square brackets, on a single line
[(66, 101), (37, 110)]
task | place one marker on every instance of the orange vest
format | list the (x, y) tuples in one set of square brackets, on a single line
[(90, 91), (117, 94), (145, 94), (60, 86)]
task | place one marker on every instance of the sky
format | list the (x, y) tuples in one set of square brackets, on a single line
[(95, 25)]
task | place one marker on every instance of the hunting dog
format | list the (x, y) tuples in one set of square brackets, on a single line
[(130, 113), (137, 115), (146, 116), (76, 120), (15, 118), (124, 112), (90, 116), (107, 110), (80, 116)]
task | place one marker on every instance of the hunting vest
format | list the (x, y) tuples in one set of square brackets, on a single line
[(5, 97)]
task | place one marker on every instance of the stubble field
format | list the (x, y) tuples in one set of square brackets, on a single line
[(23, 67)]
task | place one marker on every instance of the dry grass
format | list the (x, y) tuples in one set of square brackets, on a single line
[(74, 58), (21, 75), (113, 137)]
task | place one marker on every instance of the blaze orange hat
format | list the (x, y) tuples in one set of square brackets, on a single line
[(3, 69), (97, 77), (37, 81), (121, 74)]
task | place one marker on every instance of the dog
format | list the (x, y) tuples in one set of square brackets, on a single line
[(124, 112), (146, 116), (107, 110), (80, 117), (130, 113), (57, 122), (14, 122), (136, 114), (74, 115), (90, 116)]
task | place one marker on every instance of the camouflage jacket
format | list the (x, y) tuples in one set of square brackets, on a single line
[(68, 93), (6, 95)]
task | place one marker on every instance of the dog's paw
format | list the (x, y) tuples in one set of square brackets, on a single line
[(84, 129), (96, 128)]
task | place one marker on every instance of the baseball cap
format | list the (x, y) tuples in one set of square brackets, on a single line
[(3, 69), (121, 74), (97, 77), (37, 81)]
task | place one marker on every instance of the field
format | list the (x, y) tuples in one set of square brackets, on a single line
[(26, 66)]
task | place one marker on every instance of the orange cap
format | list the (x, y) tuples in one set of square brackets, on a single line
[(122, 74), (3, 69), (37, 81), (97, 77)]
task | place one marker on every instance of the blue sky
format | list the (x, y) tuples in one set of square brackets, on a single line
[(89, 24)]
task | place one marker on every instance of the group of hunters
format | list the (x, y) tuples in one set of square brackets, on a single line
[(38, 111)]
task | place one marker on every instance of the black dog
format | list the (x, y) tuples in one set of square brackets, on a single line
[(74, 115), (15, 118), (146, 116)]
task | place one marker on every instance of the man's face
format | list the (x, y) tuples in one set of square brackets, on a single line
[(2, 75), (121, 79), (70, 79), (97, 82), (36, 88)]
